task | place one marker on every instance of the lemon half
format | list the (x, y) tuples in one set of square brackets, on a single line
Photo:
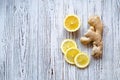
[(72, 23), (82, 60)]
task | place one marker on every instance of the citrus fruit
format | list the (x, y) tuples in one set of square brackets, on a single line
[(66, 44), (72, 23), (82, 60), (70, 55)]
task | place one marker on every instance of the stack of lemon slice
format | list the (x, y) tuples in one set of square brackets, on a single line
[(73, 55)]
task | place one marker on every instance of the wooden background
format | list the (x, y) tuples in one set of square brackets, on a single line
[(31, 32)]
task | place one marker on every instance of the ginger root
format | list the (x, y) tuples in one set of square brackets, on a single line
[(94, 36)]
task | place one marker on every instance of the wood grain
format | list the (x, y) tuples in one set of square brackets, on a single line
[(31, 33)]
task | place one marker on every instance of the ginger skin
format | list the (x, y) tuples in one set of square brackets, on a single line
[(94, 36)]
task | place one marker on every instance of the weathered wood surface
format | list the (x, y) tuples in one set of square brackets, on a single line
[(31, 32)]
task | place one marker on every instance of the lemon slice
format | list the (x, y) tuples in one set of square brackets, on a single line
[(70, 55), (68, 43), (72, 23), (82, 60)]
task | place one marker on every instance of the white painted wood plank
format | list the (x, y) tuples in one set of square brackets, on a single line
[(21, 29), (2, 42), (116, 39), (8, 40), (107, 60), (56, 36), (33, 40), (44, 45)]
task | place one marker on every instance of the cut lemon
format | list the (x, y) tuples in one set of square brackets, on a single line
[(70, 55), (72, 23), (68, 43), (82, 60)]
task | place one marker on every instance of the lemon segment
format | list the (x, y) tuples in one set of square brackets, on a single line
[(82, 60), (68, 43), (72, 23), (70, 55)]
